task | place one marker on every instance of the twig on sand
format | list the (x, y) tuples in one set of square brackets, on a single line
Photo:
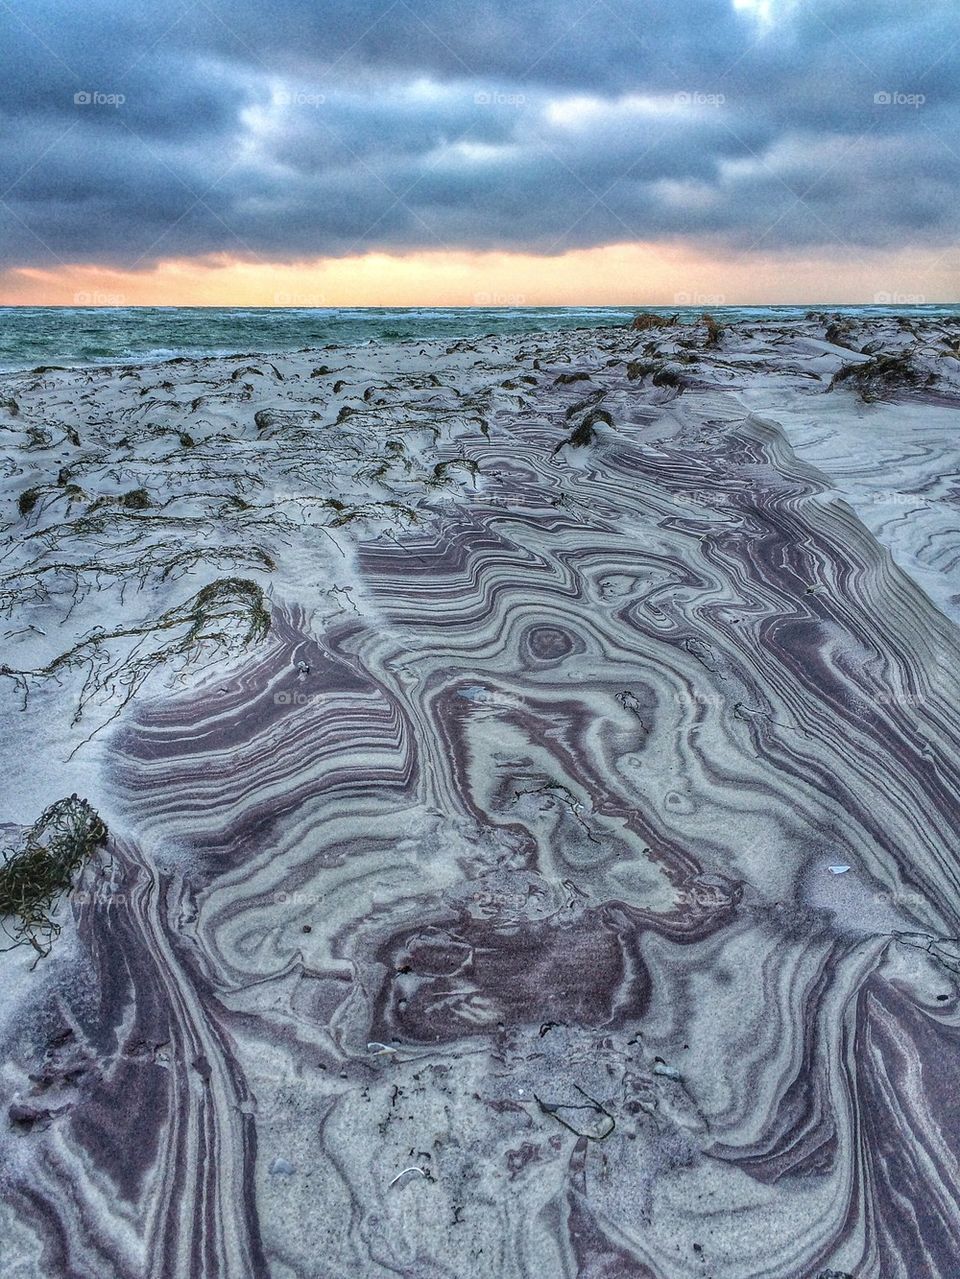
[(552, 1109)]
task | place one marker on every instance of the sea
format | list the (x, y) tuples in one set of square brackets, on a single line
[(77, 336)]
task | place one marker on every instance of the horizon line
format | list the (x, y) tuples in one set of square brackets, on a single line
[(472, 306)]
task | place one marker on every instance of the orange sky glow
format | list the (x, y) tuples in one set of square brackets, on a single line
[(625, 274)]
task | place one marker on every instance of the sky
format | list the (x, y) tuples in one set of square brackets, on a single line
[(497, 152)]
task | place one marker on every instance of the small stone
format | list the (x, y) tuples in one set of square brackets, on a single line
[(281, 1168), (668, 1072)]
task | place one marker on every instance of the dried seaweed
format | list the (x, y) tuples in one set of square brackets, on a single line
[(211, 622), (879, 375), (28, 500), (650, 320), (714, 330), (32, 877), (584, 433), (604, 1122)]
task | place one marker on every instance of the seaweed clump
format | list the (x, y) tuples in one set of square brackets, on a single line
[(585, 433), (227, 593), (666, 376), (878, 375), (650, 320), (714, 330), (62, 838), (136, 500), (28, 500), (441, 470), (840, 333)]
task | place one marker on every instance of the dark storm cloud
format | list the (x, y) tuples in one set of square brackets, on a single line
[(302, 129)]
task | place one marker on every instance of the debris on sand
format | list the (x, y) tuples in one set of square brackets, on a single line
[(34, 876), (650, 320)]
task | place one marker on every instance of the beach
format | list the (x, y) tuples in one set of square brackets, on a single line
[(530, 768)]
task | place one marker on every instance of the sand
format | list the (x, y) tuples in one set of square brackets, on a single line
[(531, 770)]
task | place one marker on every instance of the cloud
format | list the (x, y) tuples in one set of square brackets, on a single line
[(134, 133)]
